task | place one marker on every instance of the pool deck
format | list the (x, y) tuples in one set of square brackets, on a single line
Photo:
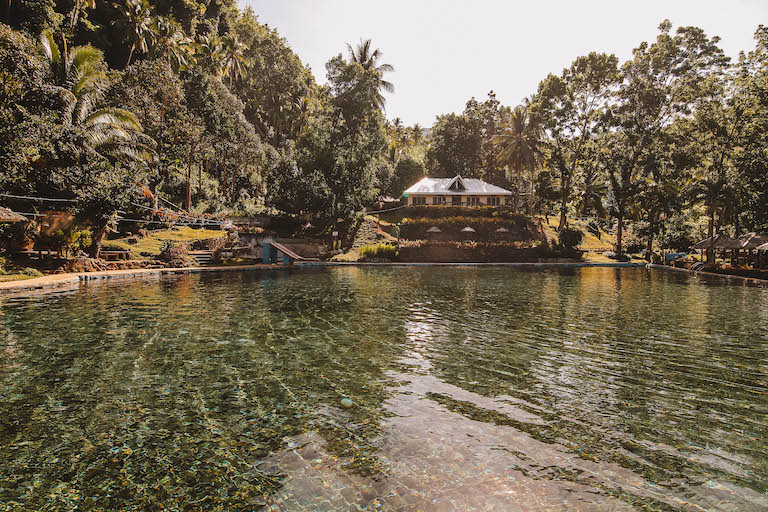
[(73, 279)]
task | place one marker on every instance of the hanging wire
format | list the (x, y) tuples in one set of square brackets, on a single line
[(33, 198)]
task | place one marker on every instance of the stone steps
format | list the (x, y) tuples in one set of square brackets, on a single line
[(202, 257)]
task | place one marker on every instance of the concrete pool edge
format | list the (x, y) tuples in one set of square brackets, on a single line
[(71, 279), (751, 280), (64, 280)]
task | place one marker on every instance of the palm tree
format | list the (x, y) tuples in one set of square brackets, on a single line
[(79, 6), (172, 44), (417, 134), (520, 141), (78, 80), (369, 60), (233, 57), (210, 54), (138, 22), (714, 190)]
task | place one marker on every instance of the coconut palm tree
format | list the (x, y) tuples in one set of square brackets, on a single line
[(172, 44), (210, 55), (79, 6), (417, 134), (520, 143), (138, 22), (368, 58), (78, 80), (714, 189), (233, 57)]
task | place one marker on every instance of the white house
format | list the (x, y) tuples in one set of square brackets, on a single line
[(457, 191)]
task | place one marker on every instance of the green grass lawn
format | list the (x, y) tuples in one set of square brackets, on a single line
[(15, 277), (153, 244)]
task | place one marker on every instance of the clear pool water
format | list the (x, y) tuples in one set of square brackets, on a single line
[(470, 389)]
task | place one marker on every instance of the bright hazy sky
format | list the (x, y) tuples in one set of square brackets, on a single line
[(446, 51)]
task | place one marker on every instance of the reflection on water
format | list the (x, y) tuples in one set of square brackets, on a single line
[(473, 389)]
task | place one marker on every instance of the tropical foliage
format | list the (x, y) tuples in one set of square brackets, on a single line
[(141, 110), (671, 141)]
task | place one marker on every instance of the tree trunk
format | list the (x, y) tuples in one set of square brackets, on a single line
[(75, 12), (98, 236), (189, 177), (651, 231), (711, 232), (7, 11), (619, 233), (532, 197), (130, 55), (565, 186), (563, 212)]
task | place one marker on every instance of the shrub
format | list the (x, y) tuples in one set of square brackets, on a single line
[(570, 238), (485, 227), (612, 255), (31, 272), (170, 252), (378, 252)]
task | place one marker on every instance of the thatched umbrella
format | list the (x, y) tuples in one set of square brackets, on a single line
[(9, 216), (468, 232), (433, 231), (501, 232)]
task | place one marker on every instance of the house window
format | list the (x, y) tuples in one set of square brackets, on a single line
[(438, 199), (419, 200), (456, 200), (474, 201), (493, 201)]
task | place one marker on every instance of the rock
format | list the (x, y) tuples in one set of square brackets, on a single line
[(347, 403)]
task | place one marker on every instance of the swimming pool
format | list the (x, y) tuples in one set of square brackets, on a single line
[(471, 388)]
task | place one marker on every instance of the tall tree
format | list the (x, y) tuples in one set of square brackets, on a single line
[(520, 146), (77, 9), (571, 110), (234, 62), (210, 54), (79, 81), (366, 56), (171, 44), (659, 84), (137, 21)]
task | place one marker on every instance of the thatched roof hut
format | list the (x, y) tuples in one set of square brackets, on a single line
[(753, 240), (434, 230), (468, 230), (7, 215), (720, 241), (502, 230)]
